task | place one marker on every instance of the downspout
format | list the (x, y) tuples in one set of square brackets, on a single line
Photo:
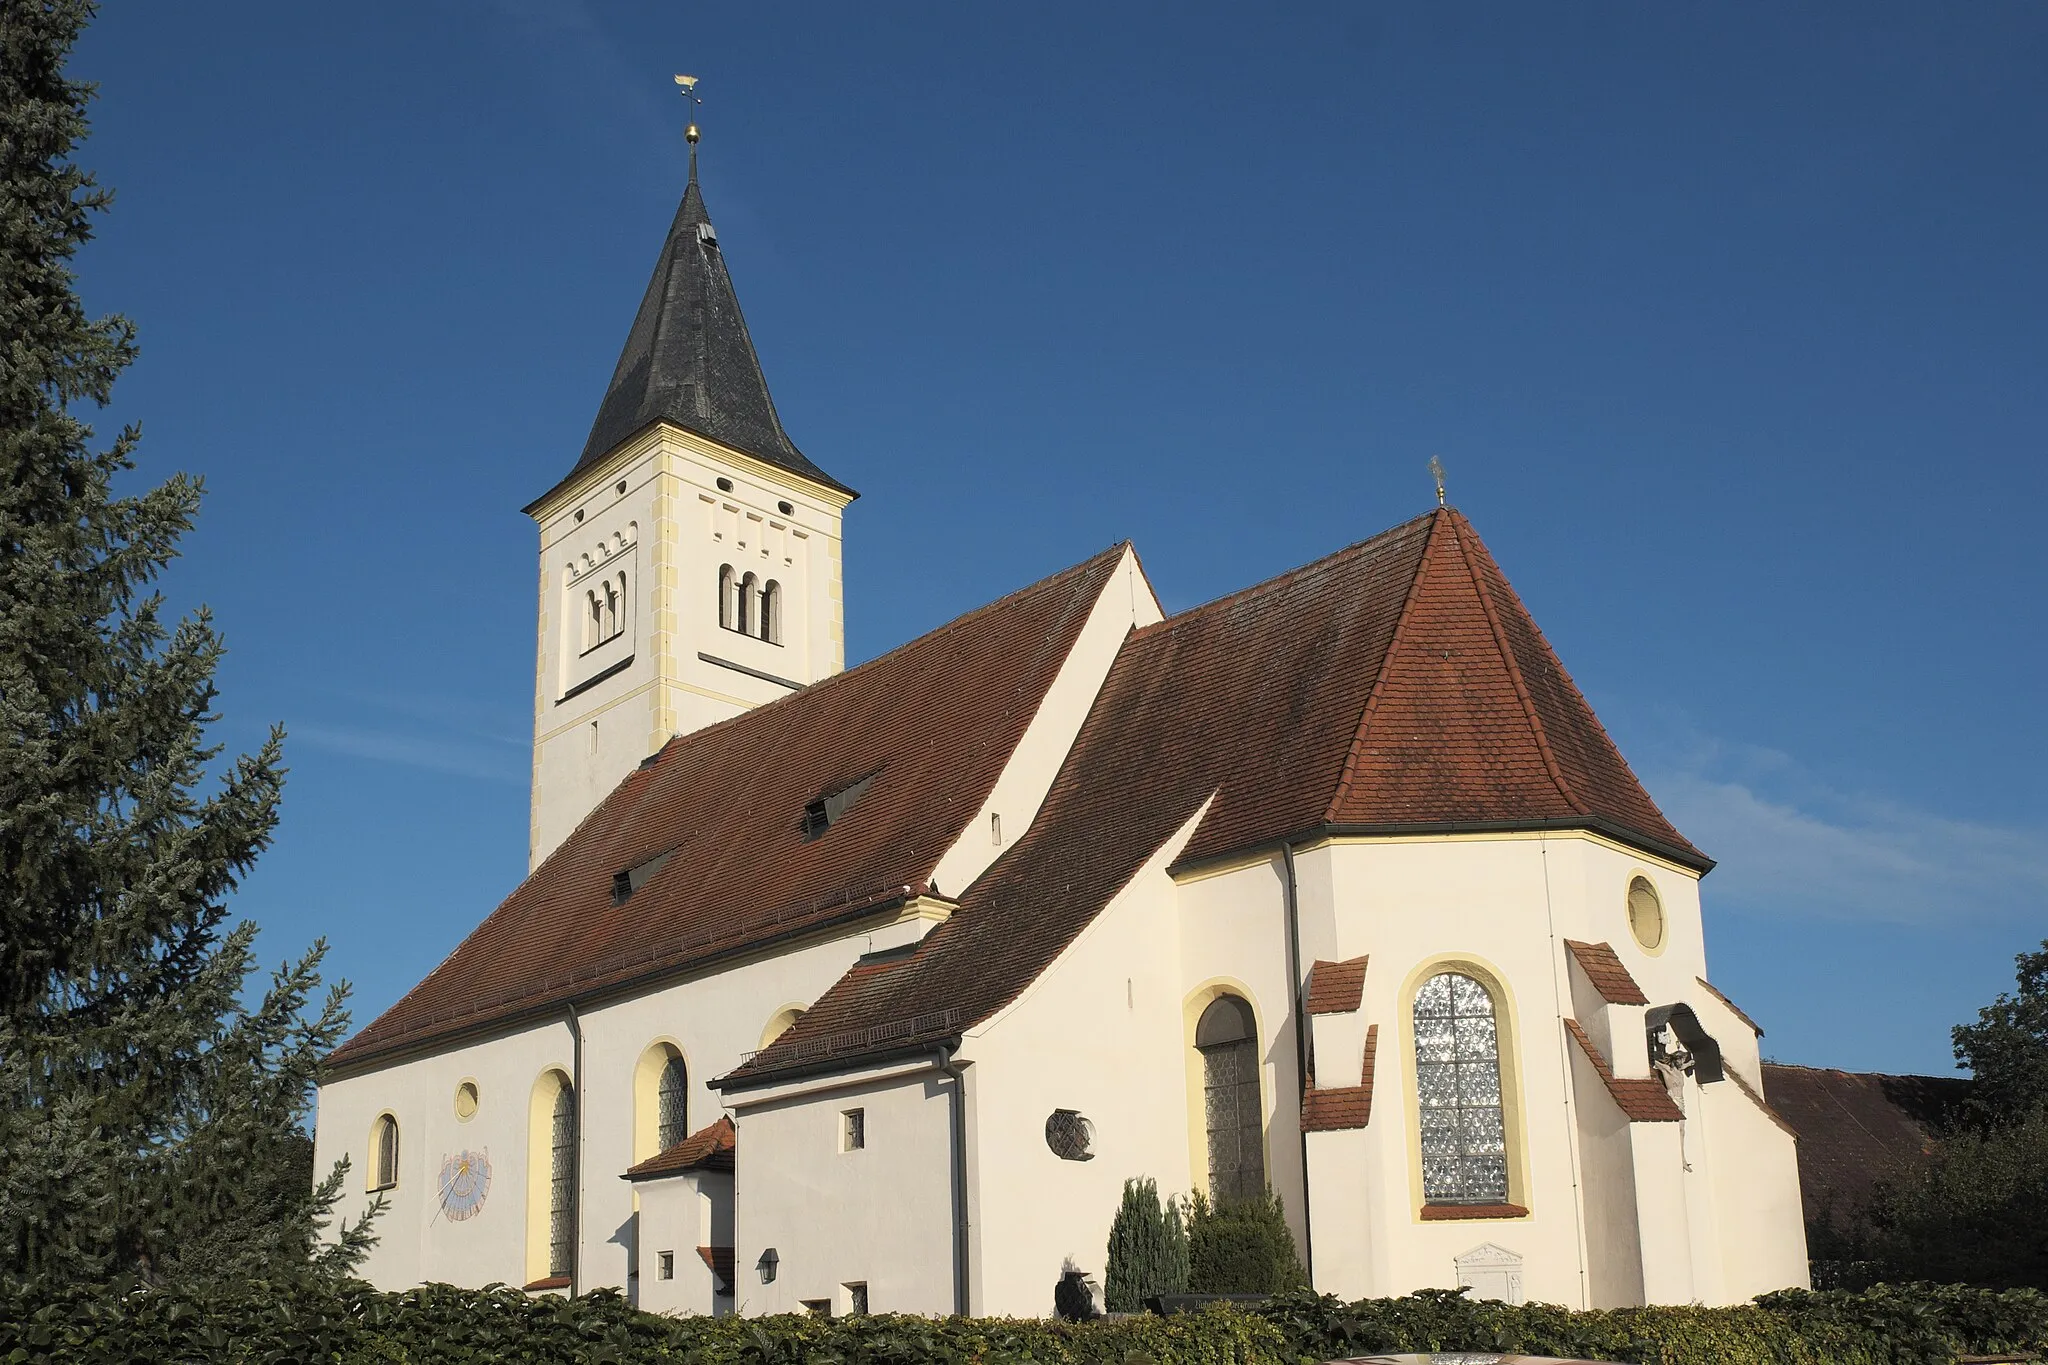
[(576, 1196), (1297, 1003), (942, 1058)]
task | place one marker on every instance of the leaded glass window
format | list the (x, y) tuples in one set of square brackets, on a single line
[(1457, 1082), (562, 1185), (1227, 1038), (671, 1105)]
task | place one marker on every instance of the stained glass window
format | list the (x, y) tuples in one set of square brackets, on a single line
[(1457, 1081), (1227, 1038), (562, 1185), (671, 1105)]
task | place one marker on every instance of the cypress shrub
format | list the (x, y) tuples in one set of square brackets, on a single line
[(1148, 1249), (1242, 1246)]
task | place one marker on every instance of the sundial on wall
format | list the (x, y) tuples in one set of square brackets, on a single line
[(465, 1184)]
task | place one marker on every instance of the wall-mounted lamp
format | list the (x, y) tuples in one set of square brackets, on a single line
[(766, 1265)]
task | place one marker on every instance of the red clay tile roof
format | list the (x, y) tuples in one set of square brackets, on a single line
[(1642, 1099), (1342, 1107), (1603, 968), (1733, 1008), (934, 721), (1858, 1128), (720, 1259), (1472, 719), (711, 1148), (1394, 685), (1336, 987)]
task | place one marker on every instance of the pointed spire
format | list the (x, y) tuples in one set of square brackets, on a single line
[(689, 360)]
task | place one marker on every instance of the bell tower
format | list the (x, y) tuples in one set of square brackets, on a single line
[(690, 561)]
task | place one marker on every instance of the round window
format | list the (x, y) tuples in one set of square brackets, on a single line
[(465, 1101), (1069, 1135), (1645, 914)]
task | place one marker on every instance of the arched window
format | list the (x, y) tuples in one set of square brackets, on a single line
[(384, 1173), (593, 620), (728, 607), (771, 612), (672, 1105), (562, 1182), (1458, 1091), (1228, 1038), (750, 592), (779, 1024), (614, 596)]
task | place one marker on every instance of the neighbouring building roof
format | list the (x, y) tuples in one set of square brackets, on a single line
[(1395, 685), (689, 360), (1603, 967), (932, 722), (713, 1147), (1336, 987), (1858, 1128)]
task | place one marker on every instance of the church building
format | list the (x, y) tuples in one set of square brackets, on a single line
[(866, 989)]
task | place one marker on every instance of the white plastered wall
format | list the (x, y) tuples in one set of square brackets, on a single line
[(1100, 1033), (712, 1020), (1505, 904), (679, 1214), (678, 526), (1126, 602), (879, 1215)]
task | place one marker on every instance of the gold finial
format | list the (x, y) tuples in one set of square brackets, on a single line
[(1436, 469), (693, 99)]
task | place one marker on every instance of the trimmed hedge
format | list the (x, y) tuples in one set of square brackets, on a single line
[(439, 1325)]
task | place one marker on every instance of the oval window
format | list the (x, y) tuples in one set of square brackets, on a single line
[(465, 1101), (1645, 914)]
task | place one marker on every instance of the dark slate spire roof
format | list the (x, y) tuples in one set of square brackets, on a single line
[(689, 360)]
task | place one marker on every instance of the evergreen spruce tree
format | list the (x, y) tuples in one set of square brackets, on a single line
[(150, 1115), (1148, 1250)]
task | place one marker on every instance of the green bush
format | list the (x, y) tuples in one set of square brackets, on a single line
[(1242, 1246), (1148, 1249), (440, 1325)]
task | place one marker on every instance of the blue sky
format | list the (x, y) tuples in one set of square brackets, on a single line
[(1730, 324)]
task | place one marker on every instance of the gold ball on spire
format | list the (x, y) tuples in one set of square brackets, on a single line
[(690, 133)]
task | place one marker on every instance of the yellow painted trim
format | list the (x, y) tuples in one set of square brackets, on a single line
[(370, 1171), (1663, 913), (1224, 869), (1514, 1123), (1191, 1007), (540, 1143), (779, 1022), (647, 1093)]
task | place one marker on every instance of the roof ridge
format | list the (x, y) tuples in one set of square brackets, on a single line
[(1321, 565), (831, 680), (1379, 682), (1514, 667)]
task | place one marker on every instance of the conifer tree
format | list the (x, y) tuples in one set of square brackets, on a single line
[(1148, 1249), (150, 1115)]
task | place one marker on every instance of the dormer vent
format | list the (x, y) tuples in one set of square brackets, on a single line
[(827, 811), (625, 883), (707, 234)]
